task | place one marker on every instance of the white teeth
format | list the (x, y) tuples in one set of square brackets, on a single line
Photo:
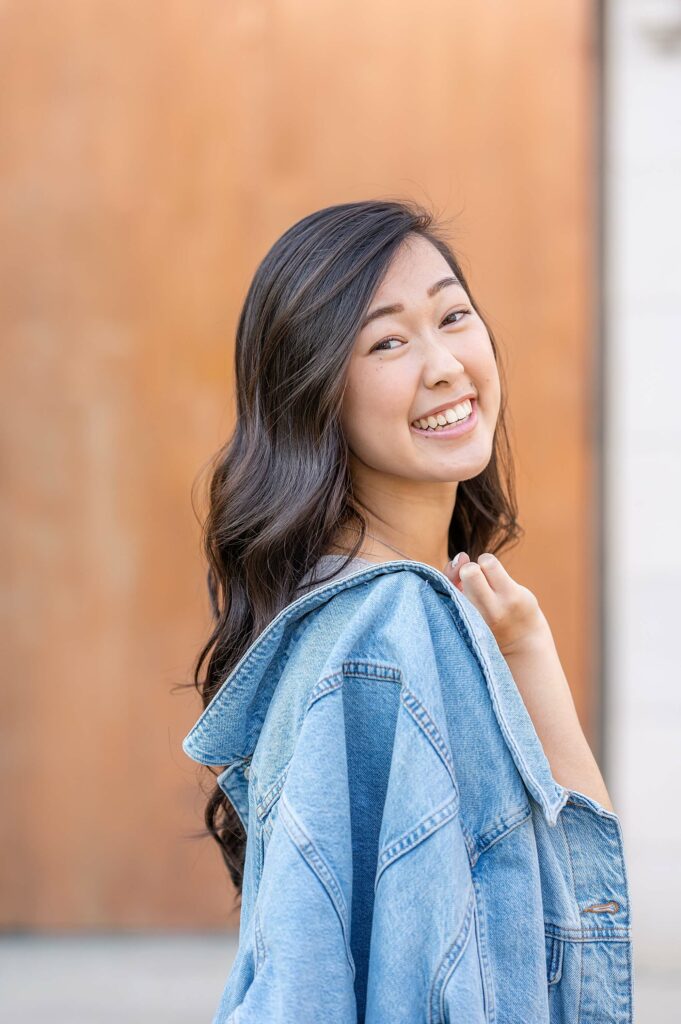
[(457, 414)]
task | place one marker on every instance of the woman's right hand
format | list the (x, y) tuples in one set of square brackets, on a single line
[(510, 610)]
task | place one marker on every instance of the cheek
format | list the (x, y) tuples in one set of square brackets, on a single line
[(494, 385), (487, 373), (371, 415), (372, 402)]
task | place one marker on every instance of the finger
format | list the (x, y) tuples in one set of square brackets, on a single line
[(452, 572), (476, 588), (495, 573)]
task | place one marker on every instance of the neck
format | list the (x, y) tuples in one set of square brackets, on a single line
[(405, 518)]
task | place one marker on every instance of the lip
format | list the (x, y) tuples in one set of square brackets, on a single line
[(446, 405), (456, 429)]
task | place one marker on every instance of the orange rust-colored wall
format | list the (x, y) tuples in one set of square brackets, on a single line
[(151, 154)]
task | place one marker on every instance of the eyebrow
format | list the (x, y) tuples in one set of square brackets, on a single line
[(399, 308)]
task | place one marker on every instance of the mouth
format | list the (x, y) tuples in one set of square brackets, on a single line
[(451, 429)]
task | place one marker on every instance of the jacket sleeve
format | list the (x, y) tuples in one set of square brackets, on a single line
[(295, 964), (366, 816)]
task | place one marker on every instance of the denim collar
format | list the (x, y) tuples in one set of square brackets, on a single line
[(219, 735)]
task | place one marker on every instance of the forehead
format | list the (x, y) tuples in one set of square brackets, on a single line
[(417, 274), (416, 265)]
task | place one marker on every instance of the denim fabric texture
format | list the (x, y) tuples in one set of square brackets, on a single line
[(410, 857)]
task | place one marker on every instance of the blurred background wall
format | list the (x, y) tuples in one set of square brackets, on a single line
[(642, 447), (151, 154)]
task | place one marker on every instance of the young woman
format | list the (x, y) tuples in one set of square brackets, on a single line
[(370, 428)]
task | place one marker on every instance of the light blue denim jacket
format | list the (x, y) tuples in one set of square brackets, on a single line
[(410, 857)]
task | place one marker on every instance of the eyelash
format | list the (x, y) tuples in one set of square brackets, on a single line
[(376, 347)]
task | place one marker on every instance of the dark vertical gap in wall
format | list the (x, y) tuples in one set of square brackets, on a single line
[(600, 392)]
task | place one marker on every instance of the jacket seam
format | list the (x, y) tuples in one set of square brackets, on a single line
[(265, 802), (260, 948), (316, 863), (448, 963), (582, 848), (618, 933), (574, 893), (485, 968), (412, 705), (506, 823), (414, 836), (410, 702)]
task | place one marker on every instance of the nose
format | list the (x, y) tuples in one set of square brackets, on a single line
[(441, 365)]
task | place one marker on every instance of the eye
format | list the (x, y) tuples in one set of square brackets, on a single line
[(377, 346), (456, 312)]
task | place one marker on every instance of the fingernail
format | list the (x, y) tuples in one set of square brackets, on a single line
[(455, 560)]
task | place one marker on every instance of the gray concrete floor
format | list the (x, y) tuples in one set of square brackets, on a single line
[(174, 979), (113, 979)]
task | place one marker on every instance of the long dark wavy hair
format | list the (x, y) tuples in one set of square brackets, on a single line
[(280, 486)]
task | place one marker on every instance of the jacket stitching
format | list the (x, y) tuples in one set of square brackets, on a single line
[(574, 891), (602, 812), (261, 952), (265, 802), (408, 840), (258, 653), (410, 702), (317, 863), (420, 715), (324, 686), (469, 841), (448, 963), (371, 669), (510, 818), (617, 830), (566, 842), (617, 933), (506, 824), (235, 788), (581, 981), (485, 970), (555, 966)]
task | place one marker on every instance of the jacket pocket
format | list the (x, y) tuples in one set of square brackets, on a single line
[(588, 976)]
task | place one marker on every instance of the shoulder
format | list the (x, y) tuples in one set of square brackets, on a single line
[(386, 615), (379, 594)]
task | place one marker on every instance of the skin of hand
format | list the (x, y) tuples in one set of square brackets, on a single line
[(510, 610)]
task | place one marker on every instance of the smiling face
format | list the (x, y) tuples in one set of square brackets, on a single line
[(410, 361)]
